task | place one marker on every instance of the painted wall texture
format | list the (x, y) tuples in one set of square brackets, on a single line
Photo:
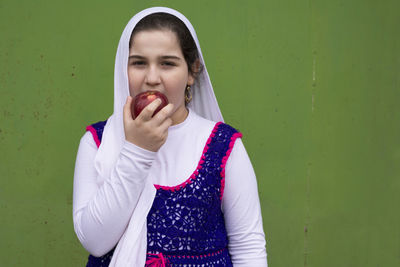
[(313, 85)]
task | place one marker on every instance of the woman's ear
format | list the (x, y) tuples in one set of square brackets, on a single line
[(195, 70), (196, 67)]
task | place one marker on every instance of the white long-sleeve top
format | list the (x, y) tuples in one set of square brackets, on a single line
[(101, 212)]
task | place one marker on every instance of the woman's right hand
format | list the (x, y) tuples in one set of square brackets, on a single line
[(146, 131)]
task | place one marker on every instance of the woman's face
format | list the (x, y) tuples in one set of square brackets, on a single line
[(156, 63)]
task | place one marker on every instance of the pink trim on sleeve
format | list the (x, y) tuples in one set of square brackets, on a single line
[(199, 166), (94, 133), (225, 159)]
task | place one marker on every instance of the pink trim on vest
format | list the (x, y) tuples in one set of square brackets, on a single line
[(225, 159), (199, 166), (94, 133), (165, 257)]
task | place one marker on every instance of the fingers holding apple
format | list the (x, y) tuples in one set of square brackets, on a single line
[(147, 130), (142, 100), (148, 111), (147, 105)]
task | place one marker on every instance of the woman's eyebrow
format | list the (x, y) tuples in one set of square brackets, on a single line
[(170, 57), (162, 57), (136, 56)]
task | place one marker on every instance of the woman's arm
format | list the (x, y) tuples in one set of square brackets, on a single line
[(242, 212), (101, 212)]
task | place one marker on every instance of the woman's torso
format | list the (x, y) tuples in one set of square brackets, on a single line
[(199, 238)]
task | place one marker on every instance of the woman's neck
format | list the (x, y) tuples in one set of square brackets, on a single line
[(179, 115)]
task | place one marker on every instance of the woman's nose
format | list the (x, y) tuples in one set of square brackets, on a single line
[(153, 76)]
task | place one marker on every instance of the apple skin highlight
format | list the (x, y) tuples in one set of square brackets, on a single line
[(143, 99)]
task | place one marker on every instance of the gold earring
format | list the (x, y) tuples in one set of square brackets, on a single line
[(188, 95)]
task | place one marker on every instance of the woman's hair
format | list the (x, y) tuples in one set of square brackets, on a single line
[(165, 21)]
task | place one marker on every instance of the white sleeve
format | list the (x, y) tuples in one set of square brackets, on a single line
[(102, 212), (242, 212)]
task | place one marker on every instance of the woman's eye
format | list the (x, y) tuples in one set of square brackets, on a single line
[(138, 63), (168, 63)]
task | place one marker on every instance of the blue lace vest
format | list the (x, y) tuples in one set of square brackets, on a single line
[(185, 225)]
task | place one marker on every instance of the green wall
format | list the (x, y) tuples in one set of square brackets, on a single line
[(313, 85)]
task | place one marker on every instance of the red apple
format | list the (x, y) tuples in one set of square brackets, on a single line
[(143, 99)]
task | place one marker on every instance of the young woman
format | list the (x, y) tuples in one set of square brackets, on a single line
[(173, 189)]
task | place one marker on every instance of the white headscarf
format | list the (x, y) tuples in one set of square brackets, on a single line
[(131, 249)]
